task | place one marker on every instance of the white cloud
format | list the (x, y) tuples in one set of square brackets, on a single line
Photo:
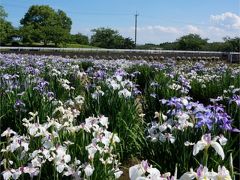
[(227, 19), (152, 33), (167, 29), (192, 29), (158, 28), (158, 33)]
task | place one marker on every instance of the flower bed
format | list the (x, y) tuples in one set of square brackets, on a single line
[(87, 119)]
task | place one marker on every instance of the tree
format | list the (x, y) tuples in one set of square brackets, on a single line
[(6, 28), (118, 42), (128, 43), (3, 13), (214, 46), (64, 21), (79, 39), (109, 38), (6, 32), (103, 37), (191, 42), (232, 44), (44, 24)]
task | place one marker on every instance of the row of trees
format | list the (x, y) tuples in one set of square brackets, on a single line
[(42, 24), (194, 42), (104, 38)]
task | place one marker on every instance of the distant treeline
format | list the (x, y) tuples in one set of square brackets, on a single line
[(194, 42), (44, 26)]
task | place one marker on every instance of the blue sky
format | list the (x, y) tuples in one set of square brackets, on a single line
[(158, 20)]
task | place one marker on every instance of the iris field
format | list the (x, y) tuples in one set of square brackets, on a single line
[(65, 118)]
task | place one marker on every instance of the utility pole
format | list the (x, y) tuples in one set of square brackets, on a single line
[(136, 15)]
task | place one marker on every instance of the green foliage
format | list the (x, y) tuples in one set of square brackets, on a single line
[(128, 43), (192, 42), (147, 46), (3, 13), (109, 38), (29, 35), (43, 24), (165, 46), (229, 45), (74, 45), (79, 39), (64, 21), (6, 31), (215, 46), (6, 28), (169, 45), (232, 44), (103, 37)]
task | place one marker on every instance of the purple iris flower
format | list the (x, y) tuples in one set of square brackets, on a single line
[(120, 72), (100, 74), (199, 171), (224, 121), (175, 102), (204, 119), (214, 116), (32, 71), (41, 86)]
